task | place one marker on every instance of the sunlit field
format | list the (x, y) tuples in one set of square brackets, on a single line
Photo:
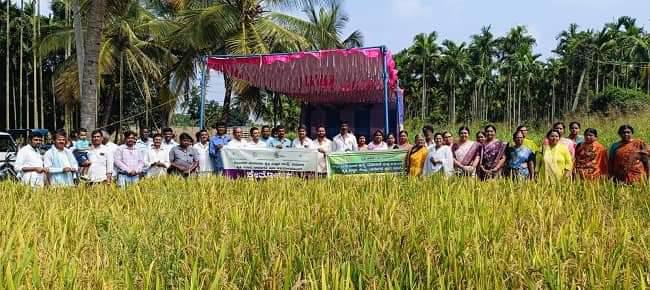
[(375, 232)]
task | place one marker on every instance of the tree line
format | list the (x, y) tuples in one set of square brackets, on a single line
[(501, 79), (114, 63)]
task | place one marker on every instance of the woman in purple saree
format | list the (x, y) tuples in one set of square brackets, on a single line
[(493, 157), (467, 154)]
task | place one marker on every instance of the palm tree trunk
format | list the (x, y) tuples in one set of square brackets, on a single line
[(68, 118), (54, 114), (80, 51), (225, 115), (553, 101), (579, 90), (92, 44), (424, 90), (647, 76), (20, 74), (35, 66), (485, 102), (119, 129), (107, 108), (8, 84), (13, 90), (597, 77)]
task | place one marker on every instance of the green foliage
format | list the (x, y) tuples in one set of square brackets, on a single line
[(614, 99)]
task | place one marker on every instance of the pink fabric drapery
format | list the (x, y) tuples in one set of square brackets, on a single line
[(329, 76)]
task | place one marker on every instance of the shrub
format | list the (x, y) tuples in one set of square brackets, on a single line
[(619, 99)]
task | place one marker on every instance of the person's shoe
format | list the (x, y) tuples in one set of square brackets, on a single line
[(85, 178)]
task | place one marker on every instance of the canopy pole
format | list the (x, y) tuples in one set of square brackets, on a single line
[(385, 76), (204, 64)]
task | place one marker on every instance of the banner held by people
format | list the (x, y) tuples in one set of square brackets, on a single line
[(366, 162), (269, 163)]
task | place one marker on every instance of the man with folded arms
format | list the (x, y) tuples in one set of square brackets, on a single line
[(129, 161)]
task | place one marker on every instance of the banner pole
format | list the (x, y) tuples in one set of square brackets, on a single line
[(204, 64), (385, 75)]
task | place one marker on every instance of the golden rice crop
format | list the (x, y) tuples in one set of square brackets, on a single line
[(362, 232)]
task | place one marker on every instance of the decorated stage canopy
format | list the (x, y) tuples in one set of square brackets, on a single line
[(328, 76)]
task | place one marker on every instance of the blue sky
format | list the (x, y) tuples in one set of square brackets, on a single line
[(394, 23)]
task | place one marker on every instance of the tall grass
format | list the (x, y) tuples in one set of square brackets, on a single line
[(361, 232)]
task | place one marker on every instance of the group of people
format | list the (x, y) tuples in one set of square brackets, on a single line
[(99, 160), (556, 157)]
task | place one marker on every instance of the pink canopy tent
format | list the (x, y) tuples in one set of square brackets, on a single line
[(338, 76)]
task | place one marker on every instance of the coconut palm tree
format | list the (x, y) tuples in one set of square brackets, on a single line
[(323, 29), (132, 39), (454, 67), (8, 83), (240, 27), (482, 54), (425, 53)]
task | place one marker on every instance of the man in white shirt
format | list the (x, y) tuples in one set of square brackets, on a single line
[(255, 142), (168, 139), (29, 162), (344, 141), (202, 146), (144, 142), (324, 147), (157, 159), (112, 148), (60, 162), (100, 160), (302, 142), (236, 141)]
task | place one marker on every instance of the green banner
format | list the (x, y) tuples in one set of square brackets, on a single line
[(366, 162)]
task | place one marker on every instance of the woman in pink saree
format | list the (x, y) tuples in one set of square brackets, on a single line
[(467, 154)]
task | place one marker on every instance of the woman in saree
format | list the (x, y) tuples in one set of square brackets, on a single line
[(440, 158), (377, 142), (557, 162), (467, 154), (493, 158), (568, 143), (528, 142), (628, 158), (391, 142), (480, 137), (591, 157), (416, 157), (362, 144), (520, 160), (404, 141), (574, 133)]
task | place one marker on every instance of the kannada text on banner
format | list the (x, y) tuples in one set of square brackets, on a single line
[(366, 162), (269, 163)]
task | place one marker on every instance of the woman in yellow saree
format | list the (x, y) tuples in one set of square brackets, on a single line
[(557, 163), (416, 157)]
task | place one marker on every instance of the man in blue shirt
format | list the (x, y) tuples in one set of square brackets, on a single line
[(281, 141), (266, 134), (217, 142)]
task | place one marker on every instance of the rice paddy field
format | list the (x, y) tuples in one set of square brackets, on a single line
[(370, 232), (377, 232)]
